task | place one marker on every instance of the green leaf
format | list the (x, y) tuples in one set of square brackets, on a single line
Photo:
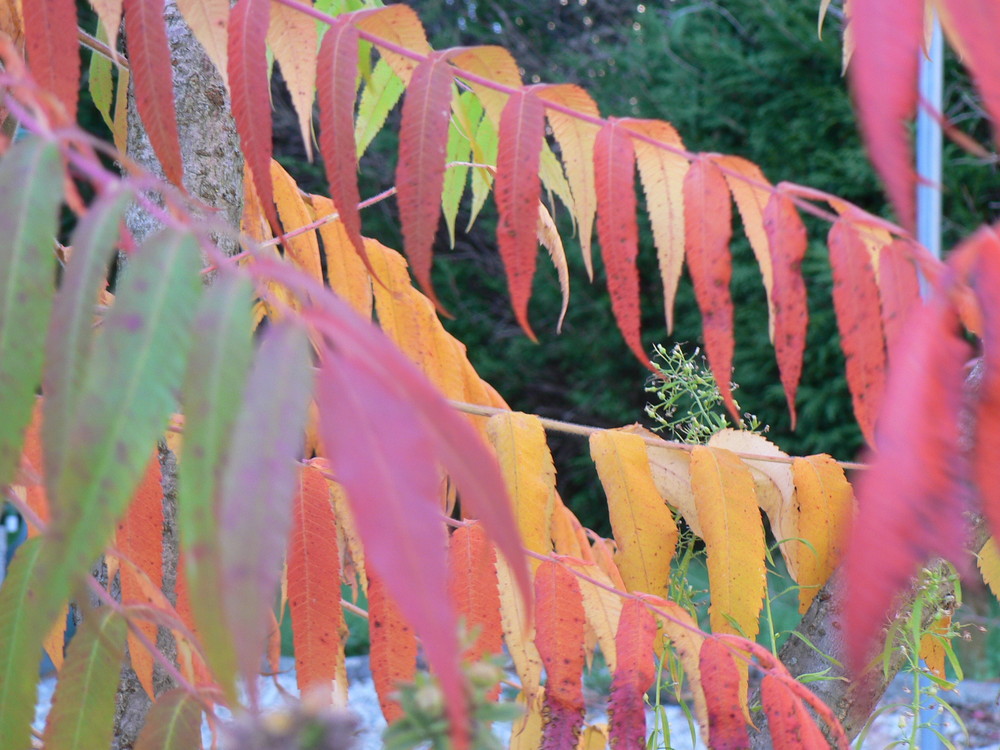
[(71, 335), (30, 194), (173, 723), (213, 388), (459, 149), (99, 80), (127, 397), (83, 708), (22, 629), (257, 485), (377, 100), (487, 139)]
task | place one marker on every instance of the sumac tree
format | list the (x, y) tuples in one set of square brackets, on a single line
[(324, 447)]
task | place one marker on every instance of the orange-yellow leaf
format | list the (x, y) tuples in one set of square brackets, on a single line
[(519, 634), (348, 539), (32, 469), (565, 540), (393, 654), (988, 561), (633, 675), (293, 212), (314, 591), (719, 673), (932, 642), (400, 25), (594, 737), (604, 556), (55, 641), (526, 734), (662, 173), (576, 142), (208, 20), (491, 62), (474, 589), (601, 607), (643, 525), (526, 464), (825, 504), (344, 267), (140, 539), (559, 622), (734, 539), (293, 39)]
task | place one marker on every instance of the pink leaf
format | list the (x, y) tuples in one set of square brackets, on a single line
[(977, 23), (423, 144), (987, 436), (149, 63), (614, 179), (888, 35), (522, 131), (708, 227)]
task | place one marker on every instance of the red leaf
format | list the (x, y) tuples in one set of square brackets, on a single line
[(52, 49), (251, 100), (423, 144), (634, 674), (393, 653), (560, 622), (910, 501), (786, 237), (899, 286), (888, 35), (727, 728), (789, 722), (977, 22), (614, 180), (987, 438), (518, 186), (859, 320), (140, 539), (474, 589), (336, 76), (314, 586), (149, 63), (708, 227)]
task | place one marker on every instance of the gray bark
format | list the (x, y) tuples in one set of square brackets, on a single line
[(213, 174)]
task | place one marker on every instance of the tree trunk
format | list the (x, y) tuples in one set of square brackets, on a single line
[(213, 173)]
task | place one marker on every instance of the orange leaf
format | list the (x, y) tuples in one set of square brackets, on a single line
[(493, 63), (564, 537), (393, 652), (932, 645), (855, 299), (559, 622), (140, 539), (208, 21), (292, 38), (517, 189), (304, 248), (662, 173), (602, 608), (423, 144), (474, 589), (633, 675), (707, 231), (149, 67), (643, 525), (52, 50), (55, 641), (32, 469), (787, 239), (345, 269), (788, 720), (721, 678), (314, 590), (614, 177), (734, 539), (887, 35)]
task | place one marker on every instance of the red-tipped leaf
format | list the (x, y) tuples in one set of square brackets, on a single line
[(787, 240), (708, 227), (727, 729), (52, 49), (149, 65), (517, 189), (859, 320), (614, 180), (634, 674), (560, 623), (888, 35), (423, 144), (251, 100)]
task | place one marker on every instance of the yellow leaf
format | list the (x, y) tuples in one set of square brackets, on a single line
[(773, 483), (602, 608), (208, 20), (344, 267), (400, 25), (551, 171), (293, 212), (526, 464), (576, 142), (671, 469), (662, 174), (825, 504), (594, 737), (526, 734), (932, 648), (518, 635), (494, 63), (734, 539), (294, 41), (548, 236), (988, 561), (643, 525), (752, 195)]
